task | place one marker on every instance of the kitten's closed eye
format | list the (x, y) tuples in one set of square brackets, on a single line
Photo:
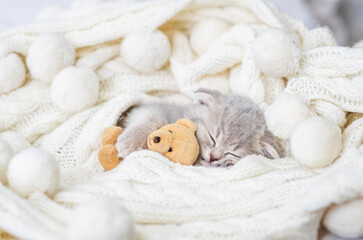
[(214, 141), (231, 154)]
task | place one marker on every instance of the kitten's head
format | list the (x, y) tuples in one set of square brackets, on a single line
[(230, 127)]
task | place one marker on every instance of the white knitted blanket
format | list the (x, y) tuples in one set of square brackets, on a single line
[(256, 199)]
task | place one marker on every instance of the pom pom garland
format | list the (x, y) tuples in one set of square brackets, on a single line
[(75, 88), (33, 170), (48, 54), (97, 34), (345, 220), (12, 72), (285, 113), (316, 142), (100, 218), (275, 53), (206, 32), (145, 52)]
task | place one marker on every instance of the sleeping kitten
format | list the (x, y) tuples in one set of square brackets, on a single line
[(229, 127)]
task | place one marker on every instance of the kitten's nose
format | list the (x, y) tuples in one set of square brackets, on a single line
[(213, 158)]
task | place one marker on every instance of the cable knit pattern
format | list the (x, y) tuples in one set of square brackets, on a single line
[(257, 198), (339, 91)]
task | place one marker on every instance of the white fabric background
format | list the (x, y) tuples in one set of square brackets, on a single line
[(18, 12)]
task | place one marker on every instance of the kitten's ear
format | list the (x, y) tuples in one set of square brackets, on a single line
[(205, 96), (269, 151)]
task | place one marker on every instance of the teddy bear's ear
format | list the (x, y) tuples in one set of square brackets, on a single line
[(189, 124)]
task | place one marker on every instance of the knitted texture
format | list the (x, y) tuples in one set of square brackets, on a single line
[(256, 199)]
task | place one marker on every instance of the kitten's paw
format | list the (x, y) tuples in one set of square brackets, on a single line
[(125, 147)]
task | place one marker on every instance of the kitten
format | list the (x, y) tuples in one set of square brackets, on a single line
[(229, 127)]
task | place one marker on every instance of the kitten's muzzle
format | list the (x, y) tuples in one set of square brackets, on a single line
[(213, 157)]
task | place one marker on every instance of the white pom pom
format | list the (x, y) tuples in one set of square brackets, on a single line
[(316, 142), (17, 142), (100, 218), (275, 53), (48, 54), (145, 52), (206, 32), (75, 88), (285, 113), (12, 72), (345, 220), (33, 170), (358, 83), (6, 153)]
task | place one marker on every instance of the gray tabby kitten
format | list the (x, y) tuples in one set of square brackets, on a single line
[(229, 127)]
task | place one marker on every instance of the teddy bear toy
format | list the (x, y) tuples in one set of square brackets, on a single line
[(176, 141)]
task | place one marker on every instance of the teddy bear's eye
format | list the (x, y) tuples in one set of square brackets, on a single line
[(170, 131), (170, 150)]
